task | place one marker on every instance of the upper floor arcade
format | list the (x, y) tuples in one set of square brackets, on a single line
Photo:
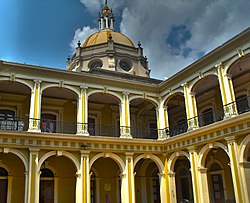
[(213, 89)]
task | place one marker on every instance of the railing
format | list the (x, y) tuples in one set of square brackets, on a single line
[(211, 116), (103, 130), (16, 124), (243, 104), (177, 129), (144, 133)]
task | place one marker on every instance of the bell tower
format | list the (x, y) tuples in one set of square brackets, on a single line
[(106, 18)]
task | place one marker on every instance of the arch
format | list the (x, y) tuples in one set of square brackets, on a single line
[(196, 81), (204, 151), (149, 99), (64, 153), (173, 159), (47, 86), (170, 96), (23, 82), (233, 61), (117, 96), (154, 158), (115, 157), (22, 157), (243, 148), (211, 162)]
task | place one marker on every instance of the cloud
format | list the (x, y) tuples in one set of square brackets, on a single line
[(92, 5), (176, 33), (81, 35)]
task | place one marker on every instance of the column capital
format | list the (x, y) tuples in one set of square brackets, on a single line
[(192, 94), (83, 87), (161, 175), (85, 153), (34, 150), (231, 139), (125, 93), (171, 174), (192, 149), (129, 154), (202, 169), (219, 65), (37, 81), (184, 84)]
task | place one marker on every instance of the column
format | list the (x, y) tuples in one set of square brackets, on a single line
[(112, 23), (245, 173), (166, 122), (85, 180), (163, 189), (82, 114), (172, 187), (107, 22), (125, 116), (102, 23), (235, 170), (33, 184), (130, 190), (204, 192), (191, 108), (227, 92), (161, 121), (35, 107), (193, 162)]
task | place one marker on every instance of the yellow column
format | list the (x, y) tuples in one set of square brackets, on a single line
[(85, 176), (82, 115), (33, 184), (235, 170), (227, 92), (164, 184), (191, 108), (125, 116), (130, 191), (161, 121), (193, 161), (35, 107), (204, 191), (172, 187)]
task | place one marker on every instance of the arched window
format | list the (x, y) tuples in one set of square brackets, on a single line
[(46, 186), (3, 184)]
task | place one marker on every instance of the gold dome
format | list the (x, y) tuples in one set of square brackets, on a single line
[(102, 36)]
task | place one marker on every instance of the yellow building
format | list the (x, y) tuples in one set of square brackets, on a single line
[(103, 131)]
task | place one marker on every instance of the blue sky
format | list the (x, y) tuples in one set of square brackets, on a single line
[(173, 33)]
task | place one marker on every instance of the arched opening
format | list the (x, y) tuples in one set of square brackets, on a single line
[(14, 106), (57, 182), (3, 184), (183, 180), (147, 185), (240, 73), (246, 166), (219, 176), (105, 181), (177, 119), (12, 178), (103, 115), (47, 185), (143, 119), (208, 100), (59, 110)]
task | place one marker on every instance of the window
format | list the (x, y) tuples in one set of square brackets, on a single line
[(46, 186), (125, 65), (8, 121), (95, 64)]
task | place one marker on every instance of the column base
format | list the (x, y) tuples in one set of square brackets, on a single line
[(126, 136), (35, 130), (82, 133)]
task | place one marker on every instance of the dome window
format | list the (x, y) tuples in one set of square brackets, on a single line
[(125, 65), (95, 64)]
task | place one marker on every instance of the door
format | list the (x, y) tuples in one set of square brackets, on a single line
[(46, 191), (3, 190), (217, 186)]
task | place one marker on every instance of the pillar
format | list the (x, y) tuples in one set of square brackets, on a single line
[(130, 190), (194, 169), (85, 179), (82, 114), (160, 113), (191, 108), (204, 192), (125, 117), (235, 170), (227, 92), (35, 107), (166, 122), (33, 185), (172, 187)]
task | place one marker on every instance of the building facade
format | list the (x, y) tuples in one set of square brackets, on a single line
[(103, 131)]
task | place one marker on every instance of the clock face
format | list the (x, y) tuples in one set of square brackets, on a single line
[(96, 64), (125, 65)]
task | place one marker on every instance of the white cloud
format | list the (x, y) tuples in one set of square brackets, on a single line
[(81, 35), (210, 24), (92, 5)]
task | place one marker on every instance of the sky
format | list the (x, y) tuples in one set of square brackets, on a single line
[(173, 33)]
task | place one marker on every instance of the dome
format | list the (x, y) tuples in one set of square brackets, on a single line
[(102, 36)]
